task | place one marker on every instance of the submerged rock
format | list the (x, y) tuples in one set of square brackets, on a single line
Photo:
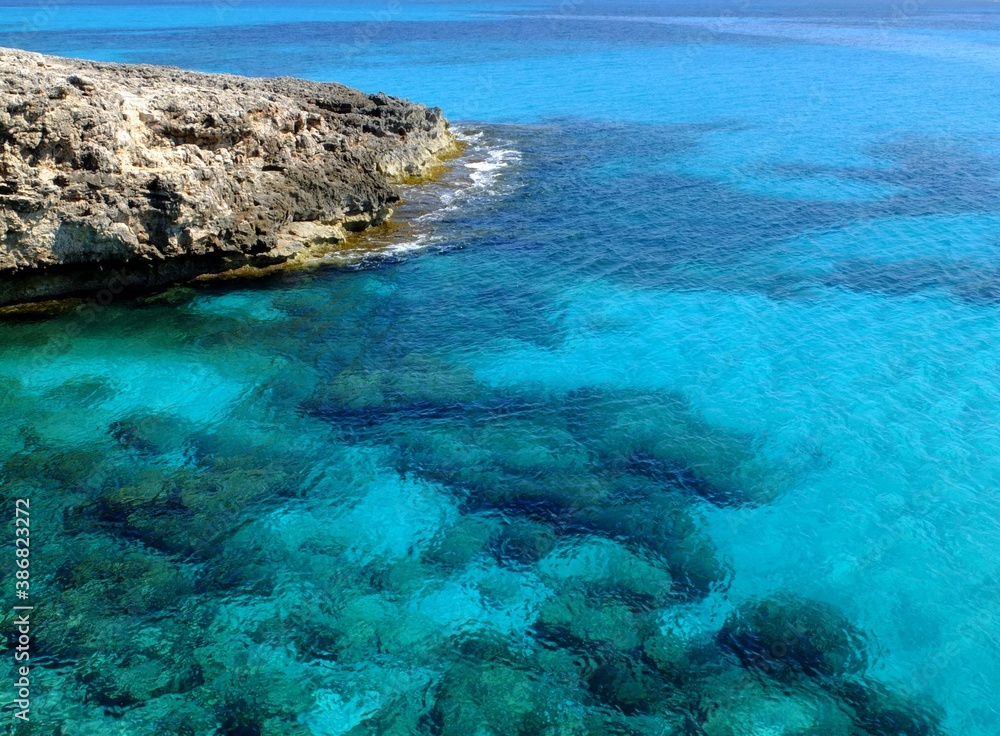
[(153, 434), (131, 581), (184, 511), (656, 434), (173, 714), (744, 706), (113, 683), (786, 634), (420, 386), (521, 542), (879, 711), (660, 524), (458, 545), (584, 623), (628, 685), (493, 698), (529, 467), (120, 177), (609, 571)]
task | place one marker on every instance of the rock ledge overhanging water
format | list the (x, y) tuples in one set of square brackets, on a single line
[(116, 176)]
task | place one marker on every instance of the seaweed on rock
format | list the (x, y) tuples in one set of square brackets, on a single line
[(420, 386), (506, 464), (606, 570), (878, 710), (521, 542), (747, 705), (152, 434), (662, 524), (490, 697), (656, 434), (785, 634), (132, 581), (630, 686), (540, 549)]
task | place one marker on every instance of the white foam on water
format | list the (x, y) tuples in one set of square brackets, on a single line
[(479, 174), (483, 172)]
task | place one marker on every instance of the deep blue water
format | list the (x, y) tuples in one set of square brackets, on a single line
[(674, 408)]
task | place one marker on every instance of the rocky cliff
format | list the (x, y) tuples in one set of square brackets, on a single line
[(150, 175)]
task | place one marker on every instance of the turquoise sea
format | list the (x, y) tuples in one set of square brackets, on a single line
[(673, 407)]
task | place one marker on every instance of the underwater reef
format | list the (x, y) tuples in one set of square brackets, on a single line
[(418, 553), (122, 177)]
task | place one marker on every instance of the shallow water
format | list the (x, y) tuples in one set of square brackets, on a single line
[(672, 408)]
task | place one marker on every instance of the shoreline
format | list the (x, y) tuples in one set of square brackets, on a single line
[(458, 178), (132, 178), (353, 251)]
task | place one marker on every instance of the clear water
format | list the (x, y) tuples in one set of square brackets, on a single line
[(672, 409)]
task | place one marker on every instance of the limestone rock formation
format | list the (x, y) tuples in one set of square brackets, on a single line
[(149, 175)]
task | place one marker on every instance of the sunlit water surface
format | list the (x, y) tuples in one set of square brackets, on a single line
[(672, 408)]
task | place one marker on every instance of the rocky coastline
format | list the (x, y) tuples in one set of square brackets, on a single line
[(132, 177)]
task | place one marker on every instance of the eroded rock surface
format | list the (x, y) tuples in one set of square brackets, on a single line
[(149, 175)]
